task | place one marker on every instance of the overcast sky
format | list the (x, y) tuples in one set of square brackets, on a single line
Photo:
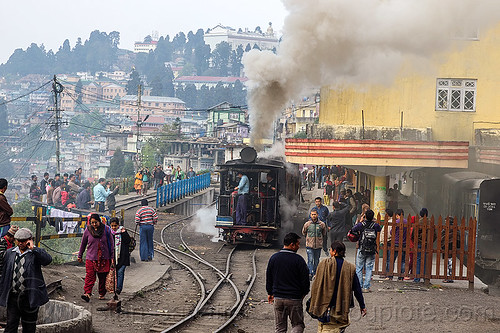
[(51, 22)]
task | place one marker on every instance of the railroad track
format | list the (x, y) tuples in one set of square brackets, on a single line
[(214, 292), (134, 201)]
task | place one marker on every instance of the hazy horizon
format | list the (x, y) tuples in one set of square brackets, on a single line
[(49, 24)]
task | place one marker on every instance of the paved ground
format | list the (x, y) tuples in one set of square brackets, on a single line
[(392, 306)]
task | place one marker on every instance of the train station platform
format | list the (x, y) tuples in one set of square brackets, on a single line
[(141, 275), (351, 252)]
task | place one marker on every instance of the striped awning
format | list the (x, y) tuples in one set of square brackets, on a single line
[(414, 154)]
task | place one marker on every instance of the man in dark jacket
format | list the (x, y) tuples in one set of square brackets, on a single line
[(5, 209), (22, 287), (287, 282), (111, 200), (83, 199), (336, 221)]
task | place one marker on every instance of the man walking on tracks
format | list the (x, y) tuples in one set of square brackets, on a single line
[(331, 291), (5, 209), (146, 218), (287, 283)]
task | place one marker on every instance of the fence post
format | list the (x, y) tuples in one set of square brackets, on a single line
[(471, 248), (38, 225)]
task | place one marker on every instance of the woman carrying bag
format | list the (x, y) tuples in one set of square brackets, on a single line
[(122, 251), (98, 241)]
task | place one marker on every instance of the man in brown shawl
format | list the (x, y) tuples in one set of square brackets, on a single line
[(332, 291)]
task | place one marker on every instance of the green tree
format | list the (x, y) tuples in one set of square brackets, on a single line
[(128, 169), (162, 140), (220, 57), (91, 123), (164, 49), (78, 91), (116, 164), (133, 83), (23, 208), (4, 124), (236, 65), (179, 42), (201, 58), (149, 155)]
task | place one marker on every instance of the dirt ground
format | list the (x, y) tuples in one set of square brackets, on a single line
[(392, 306)]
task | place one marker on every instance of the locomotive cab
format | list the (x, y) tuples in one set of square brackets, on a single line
[(268, 181)]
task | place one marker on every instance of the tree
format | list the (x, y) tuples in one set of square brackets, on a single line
[(236, 57), (4, 124), (128, 169), (91, 123), (220, 58), (149, 155), (201, 58), (133, 83), (179, 42), (164, 49), (116, 164), (78, 91), (238, 94), (162, 140)]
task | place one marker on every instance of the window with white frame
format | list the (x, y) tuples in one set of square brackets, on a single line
[(456, 95)]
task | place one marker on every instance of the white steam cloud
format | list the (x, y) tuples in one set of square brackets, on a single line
[(328, 42), (204, 222)]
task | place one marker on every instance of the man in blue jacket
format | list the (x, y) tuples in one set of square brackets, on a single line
[(22, 287), (287, 282), (100, 195), (243, 189)]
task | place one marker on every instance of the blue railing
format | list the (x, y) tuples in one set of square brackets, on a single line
[(177, 190)]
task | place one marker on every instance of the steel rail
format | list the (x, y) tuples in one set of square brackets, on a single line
[(247, 292)]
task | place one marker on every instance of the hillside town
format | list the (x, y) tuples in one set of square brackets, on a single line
[(102, 111)]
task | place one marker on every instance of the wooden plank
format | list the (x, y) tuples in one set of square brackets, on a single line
[(454, 247), (438, 247), (461, 250)]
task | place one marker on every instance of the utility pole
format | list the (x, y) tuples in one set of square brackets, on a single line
[(57, 89), (138, 156)]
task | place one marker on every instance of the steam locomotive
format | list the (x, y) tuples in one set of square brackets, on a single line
[(263, 212)]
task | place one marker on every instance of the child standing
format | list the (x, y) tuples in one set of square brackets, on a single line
[(122, 253)]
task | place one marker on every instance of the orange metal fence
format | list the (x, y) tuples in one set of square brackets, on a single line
[(446, 248)]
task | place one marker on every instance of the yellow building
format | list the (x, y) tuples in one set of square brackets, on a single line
[(455, 97), (442, 117)]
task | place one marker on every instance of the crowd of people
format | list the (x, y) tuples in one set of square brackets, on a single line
[(144, 178), (73, 191)]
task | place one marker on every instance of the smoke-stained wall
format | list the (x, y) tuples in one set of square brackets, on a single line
[(337, 42)]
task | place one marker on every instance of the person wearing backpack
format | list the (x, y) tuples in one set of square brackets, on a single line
[(367, 248)]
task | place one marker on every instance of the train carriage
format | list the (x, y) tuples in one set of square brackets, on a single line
[(263, 216)]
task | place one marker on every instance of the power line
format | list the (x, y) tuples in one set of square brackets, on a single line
[(102, 99), (29, 93)]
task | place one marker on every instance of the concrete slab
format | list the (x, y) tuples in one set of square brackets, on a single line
[(140, 274)]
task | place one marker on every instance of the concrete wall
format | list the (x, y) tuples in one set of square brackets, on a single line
[(413, 92), (62, 317), (189, 205)]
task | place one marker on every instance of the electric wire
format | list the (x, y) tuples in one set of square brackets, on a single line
[(24, 95)]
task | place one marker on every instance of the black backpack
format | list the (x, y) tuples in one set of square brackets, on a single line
[(368, 239)]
